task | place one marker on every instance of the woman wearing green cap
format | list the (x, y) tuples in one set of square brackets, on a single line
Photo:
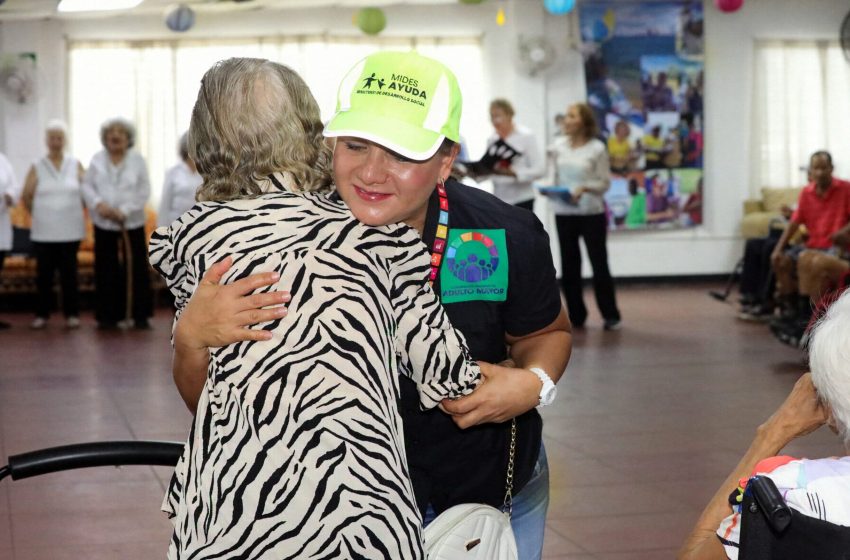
[(397, 119)]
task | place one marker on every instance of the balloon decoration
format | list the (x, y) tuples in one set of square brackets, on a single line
[(559, 7), (599, 30), (500, 17), (180, 18), (371, 21), (603, 29), (728, 6)]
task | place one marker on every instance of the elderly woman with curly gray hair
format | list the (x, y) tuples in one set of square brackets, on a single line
[(116, 188)]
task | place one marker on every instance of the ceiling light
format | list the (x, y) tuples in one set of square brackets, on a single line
[(96, 5)]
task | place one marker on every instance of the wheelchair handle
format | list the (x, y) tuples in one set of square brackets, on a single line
[(772, 505), (96, 454)]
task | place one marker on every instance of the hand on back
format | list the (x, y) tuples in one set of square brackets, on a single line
[(221, 314)]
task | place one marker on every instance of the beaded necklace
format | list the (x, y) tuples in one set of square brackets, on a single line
[(440, 236)]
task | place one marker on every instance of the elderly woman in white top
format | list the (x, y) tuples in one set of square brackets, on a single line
[(579, 161), (181, 184), (512, 183), (116, 188), (8, 198), (52, 195)]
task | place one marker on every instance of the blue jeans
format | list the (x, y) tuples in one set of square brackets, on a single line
[(529, 511)]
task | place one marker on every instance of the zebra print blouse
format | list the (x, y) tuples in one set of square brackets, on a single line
[(297, 448)]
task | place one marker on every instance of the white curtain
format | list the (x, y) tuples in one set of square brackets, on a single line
[(801, 105), (154, 84)]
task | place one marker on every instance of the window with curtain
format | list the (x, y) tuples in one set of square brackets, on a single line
[(154, 84), (800, 106)]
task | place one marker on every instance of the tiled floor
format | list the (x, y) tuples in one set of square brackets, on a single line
[(648, 421)]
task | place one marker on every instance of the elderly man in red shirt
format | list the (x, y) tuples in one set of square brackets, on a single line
[(804, 273)]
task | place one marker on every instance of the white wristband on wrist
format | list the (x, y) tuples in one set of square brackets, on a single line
[(548, 391)]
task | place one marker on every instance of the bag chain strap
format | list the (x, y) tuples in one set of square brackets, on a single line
[(508, 504)]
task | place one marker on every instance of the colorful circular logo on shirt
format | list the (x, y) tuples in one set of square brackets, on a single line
[(472, 257)]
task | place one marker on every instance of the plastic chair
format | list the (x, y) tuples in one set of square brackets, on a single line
[(770, 530), (96, 454)]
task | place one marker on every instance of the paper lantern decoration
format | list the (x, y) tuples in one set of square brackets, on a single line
[(371, 21), (180, 18), (559, 7), (728, 6)]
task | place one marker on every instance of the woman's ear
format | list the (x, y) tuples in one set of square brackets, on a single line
[(447, 162)]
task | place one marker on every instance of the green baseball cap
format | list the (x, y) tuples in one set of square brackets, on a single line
[(403, 101)]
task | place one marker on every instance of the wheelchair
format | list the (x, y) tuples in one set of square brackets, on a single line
[(770, 530)]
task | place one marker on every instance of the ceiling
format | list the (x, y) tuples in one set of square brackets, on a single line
[(12, 10)]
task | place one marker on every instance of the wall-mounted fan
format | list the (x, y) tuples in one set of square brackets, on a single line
[(18, 82), (844, 36), (536, 55)]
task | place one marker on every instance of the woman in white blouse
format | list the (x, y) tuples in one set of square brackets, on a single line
[(8, 198), (579, 161), (52, 195), (181, 184), (116, 188), (512, 180)]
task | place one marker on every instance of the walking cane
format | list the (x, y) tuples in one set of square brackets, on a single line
[(128, 266)]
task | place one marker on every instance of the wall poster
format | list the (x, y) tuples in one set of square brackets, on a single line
[(643, 64)]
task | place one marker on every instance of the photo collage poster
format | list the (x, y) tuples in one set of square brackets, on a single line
[(643, 64)]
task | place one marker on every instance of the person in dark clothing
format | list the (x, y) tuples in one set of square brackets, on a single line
[(758, 283)]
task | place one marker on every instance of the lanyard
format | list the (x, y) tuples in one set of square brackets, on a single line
[(440, 235)]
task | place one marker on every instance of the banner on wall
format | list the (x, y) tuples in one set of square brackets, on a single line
[(643, 64)]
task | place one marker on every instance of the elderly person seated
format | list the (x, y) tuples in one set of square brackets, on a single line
[(804, 273), (818, 398)]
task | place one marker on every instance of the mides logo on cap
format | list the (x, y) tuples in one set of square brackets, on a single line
[(400, 86), (405, 102)]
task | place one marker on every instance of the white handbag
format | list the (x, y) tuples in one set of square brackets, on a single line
[(475, 531), (470, 532)]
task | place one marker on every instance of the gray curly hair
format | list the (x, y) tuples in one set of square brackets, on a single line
[(253, 118), (122, 123)]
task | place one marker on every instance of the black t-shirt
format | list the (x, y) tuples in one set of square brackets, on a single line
[(448, 465)]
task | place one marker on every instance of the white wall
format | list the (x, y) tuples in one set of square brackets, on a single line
[(21, 125), (729, 176)]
